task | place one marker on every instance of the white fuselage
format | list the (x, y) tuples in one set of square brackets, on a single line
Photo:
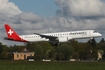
[(62, 36)]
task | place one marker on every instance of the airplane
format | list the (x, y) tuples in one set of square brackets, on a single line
[(53, 38)]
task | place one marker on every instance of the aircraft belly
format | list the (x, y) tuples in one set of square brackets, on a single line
[(36, 39), (82, 37)]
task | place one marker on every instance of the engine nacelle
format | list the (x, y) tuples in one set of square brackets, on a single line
[(64, 39), (60, 39)]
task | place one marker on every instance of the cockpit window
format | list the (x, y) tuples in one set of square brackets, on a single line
[(94, 31)]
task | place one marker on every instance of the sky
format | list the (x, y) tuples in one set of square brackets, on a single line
[(43, 8), (43, 16)]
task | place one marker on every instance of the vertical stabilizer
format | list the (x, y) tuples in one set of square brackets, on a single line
[(10, 32), (12, 35)]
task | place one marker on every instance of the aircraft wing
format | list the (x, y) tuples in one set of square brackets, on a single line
[(47, 37)]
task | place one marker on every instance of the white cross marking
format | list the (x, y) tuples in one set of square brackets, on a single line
[(10, 32)]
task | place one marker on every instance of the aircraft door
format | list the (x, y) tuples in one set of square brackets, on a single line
[(89, 33)]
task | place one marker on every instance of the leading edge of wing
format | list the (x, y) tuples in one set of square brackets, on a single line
[(46, 36)]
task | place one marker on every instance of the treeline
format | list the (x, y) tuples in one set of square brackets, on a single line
[(63, 52)]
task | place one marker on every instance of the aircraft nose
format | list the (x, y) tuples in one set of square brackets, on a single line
[(100, 34)]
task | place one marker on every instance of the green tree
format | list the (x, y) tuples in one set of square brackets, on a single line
[(93, 43), (3, 51), (46, 48), (77, 46), (101, 45), (51, 54), (4, 55), (38, 52), (86, 51), (102, 41), (16, 48), (30, 46), (64, 52)]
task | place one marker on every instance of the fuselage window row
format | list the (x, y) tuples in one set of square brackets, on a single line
[(58, 35)]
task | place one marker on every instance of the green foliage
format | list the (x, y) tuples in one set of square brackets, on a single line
[(64, 52), (38, 52), (75, 55), (35, 48), (4, 55), (93, 43), (86, 51), (3, 51), (102, 41), (51, 54), (76, 45), (46, 49), (43, 50)]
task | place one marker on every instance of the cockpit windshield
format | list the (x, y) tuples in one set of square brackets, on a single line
[(95, 32)]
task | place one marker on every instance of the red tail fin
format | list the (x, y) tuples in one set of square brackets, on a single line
[(12, 35), (10, 32)]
